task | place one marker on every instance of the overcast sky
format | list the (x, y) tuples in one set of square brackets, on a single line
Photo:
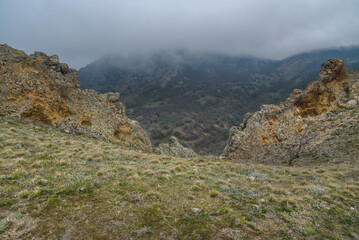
[(80, 31)]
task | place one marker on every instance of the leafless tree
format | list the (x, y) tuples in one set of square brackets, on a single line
[(288, 141), (296, 140)]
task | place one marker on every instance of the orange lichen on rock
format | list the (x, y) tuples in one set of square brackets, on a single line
[(267, 132), (326, 94), (122, 132), (85, 120)]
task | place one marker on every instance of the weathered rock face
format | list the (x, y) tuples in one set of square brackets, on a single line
[(174, 148), (330, 92), (318, 125), (40, 89)]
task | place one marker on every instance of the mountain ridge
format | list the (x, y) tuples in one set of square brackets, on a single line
[(209, 92)]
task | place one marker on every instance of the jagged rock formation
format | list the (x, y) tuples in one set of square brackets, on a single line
[(41, 89), (320, 124), (174, 148)]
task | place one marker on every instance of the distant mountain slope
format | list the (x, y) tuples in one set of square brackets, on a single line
[(197, 97)]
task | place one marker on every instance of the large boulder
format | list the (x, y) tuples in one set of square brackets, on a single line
[(175, 149), (310, 126), (41, 89)]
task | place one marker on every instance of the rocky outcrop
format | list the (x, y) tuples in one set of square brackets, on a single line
[(175, 149), (317, 125), (41, 89)]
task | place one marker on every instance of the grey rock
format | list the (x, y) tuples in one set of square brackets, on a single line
[(175, 149), (196, 210), (351, 103), (54, 60), (64, 68), (113, 96)]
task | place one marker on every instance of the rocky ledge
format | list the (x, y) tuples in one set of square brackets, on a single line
[(41, 89), (316, 126)]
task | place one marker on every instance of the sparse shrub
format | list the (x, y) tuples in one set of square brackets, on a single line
[(163, 172), (101, 172), (38, 180), (153, 195), (37, 164), (3, 227), (214, 193), (122, 168), (278, 190), (24, 194), (308, 231), (63, 162), (316, 189), (178, 169), (303, 182), (136, 177), (320, 171), (6, 203), (21, 153), (151, 215), (149, 172), (198, 186)]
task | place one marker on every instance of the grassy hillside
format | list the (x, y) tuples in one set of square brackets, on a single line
[(56, 185), (198, 97)]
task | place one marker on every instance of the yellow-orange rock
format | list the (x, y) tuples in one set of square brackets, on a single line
[(326, 94), (41, 89), (317, 125)]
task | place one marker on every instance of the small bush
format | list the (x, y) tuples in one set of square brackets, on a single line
[(3, 227), (214, 193)]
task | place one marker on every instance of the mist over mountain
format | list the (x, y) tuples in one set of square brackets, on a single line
[(197, 97), (83, 30)]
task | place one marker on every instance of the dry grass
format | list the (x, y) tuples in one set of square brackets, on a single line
[(58, 185)]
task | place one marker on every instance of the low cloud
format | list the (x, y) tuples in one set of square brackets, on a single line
[(81, 31)]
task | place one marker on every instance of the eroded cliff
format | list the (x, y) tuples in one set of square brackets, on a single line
[(41, 89), (317, 125)]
